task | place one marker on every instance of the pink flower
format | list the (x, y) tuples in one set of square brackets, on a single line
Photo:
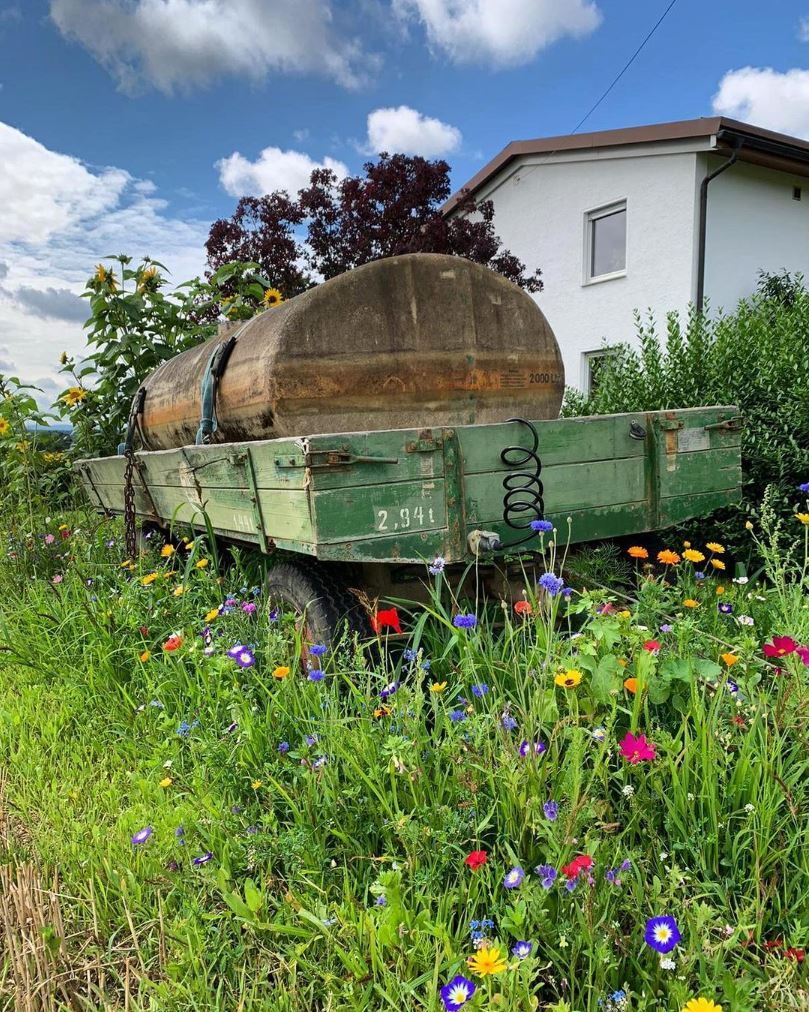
[(780, 646), (58, 578), (49, 539), (803, 653), (636, 749)]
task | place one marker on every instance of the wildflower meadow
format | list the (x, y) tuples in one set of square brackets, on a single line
[(593, 799)]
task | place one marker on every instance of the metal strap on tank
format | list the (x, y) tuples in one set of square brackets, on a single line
[(210, 383)]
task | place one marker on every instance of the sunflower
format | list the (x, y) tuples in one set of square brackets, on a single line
[(5, 428), (74, 396), (272, 297), (486, 961), (668, 558)]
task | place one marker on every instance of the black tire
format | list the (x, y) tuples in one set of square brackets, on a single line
[(322, 600)]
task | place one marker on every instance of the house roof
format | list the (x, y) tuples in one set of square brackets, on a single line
[(763, 147)]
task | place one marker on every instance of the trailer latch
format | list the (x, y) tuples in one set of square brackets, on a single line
[(333, 458), (733, 424)]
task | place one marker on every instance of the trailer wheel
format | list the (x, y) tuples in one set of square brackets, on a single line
[(320, 600)]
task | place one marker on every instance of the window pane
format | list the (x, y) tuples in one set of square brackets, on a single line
[(608, 244)]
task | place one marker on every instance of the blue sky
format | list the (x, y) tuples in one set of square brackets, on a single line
[(131, 124)]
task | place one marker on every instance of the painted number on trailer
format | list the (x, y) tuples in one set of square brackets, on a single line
[(406, 518)]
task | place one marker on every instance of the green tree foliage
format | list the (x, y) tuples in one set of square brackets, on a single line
[(755, 357), (138, 321)]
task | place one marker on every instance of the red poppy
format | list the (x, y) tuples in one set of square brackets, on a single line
[(579, 863), (652, 646), (780, 646), (476, 859), (174, 642), (523, 608), (65, 533), (797, 954), (388, 619), (775, 943)]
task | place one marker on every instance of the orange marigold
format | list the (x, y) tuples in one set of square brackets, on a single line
[(631, 685), (668, 558), (693, 555), (689, 602), (729, 659), (637, 552)]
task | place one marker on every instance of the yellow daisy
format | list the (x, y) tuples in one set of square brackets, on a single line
[(693, 555), (701, 1005), (486, 961), (568, 679), (714, 546)]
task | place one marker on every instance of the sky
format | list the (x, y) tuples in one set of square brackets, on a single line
[(131, 125)]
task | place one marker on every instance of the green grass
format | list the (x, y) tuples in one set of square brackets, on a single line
[(285, 916)]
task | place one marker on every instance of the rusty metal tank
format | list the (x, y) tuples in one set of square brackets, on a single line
[(422, 339)]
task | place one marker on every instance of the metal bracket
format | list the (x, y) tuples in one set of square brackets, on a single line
[(426, 443), (670, 424), (732, 424), (333, 458)]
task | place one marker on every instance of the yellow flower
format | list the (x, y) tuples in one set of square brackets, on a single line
[(701, 1005), (568, 679), (149, 578), (127, 564), (280, 673), (622, 662), (144, 657), (668, 558), (693, 555), (382, 711), (272, 297), (256, 784), (686, 544), (689, 602), (717, 564), (5, 428), (729, 659), (438, 686), (803, 517), (713, 546), (166, 782), (202, 563), (74, 396), (212, 614), (169, 573), (63, 358), (720, 589), (748, 526), (167, 551), (486, 961), (188, 545), (624, 614), (179, 591)]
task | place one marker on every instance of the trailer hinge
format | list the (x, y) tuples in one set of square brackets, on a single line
[(732, 424), (426, 443), (670, 424)]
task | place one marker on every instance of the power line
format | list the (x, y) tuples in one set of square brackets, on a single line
[(626, 67)]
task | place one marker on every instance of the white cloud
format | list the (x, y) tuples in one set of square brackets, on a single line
[(499, 32), (60, 217), (182, 44), (410, 132), (767, 98), (274, 169), (803, 29)]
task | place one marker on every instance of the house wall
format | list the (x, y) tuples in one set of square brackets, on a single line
[(540, 208), (753, 224)]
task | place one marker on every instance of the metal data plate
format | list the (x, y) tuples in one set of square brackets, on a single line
[(693, 439)]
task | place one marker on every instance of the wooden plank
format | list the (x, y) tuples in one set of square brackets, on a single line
[(699, 471), (410, 448), (419, 547), (568, 487), (676, 509), (379, 511)]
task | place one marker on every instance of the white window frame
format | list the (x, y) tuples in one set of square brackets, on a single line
[(590, 217), (587, 369)]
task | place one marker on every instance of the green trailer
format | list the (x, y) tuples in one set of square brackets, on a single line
[(369, 509)]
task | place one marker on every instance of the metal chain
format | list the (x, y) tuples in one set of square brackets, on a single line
[(130, 527)]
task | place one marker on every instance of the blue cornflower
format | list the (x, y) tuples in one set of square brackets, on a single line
[(698, 575), (315, 675), (456, 716), (311, 739), (425, 665), (551, 583), (487, 922), (480, 690), (474, 925), (547, 875), (509, 723), (381, 900), (410, 655), (804, 487), (437, 566), (317, 649), (465, 621), (283, 747), (541, 526), (551, 810)]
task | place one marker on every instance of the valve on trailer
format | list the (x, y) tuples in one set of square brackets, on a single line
[(481, 542)]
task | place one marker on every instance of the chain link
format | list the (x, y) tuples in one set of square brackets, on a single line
[(130, 527)]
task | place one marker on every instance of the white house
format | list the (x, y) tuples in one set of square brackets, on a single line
[(652, 217)]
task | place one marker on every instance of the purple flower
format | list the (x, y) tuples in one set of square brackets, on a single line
[(275, 614), (457, 993), (521, 949), (725, 608), (456, 716), (551, 810), (317, 649), (662, 934), (571, 884), (283, 747), (514, 878), (204, 858), (699, 575), (311, 739), (142, 835), (551, 583), (437, 566), (508, 722), (525, 747), (249, 608), (465, 621), (233, 653), (480, 690), (804, 487), (666, 628), (251, 830), (389, 690), (626, 864), (315, 675), (732, 687), (541, 526), (547, 875), (245, 658), (231, 727), (381, 900)]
